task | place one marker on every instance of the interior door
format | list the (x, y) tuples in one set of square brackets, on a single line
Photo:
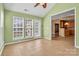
[(57, 29), (37, 28)]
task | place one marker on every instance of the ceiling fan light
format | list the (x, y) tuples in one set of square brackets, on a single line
[(41, 4)]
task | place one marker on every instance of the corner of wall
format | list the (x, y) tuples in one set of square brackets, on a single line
[(2, 48)]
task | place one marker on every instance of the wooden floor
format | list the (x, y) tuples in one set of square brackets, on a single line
[(42, 47)]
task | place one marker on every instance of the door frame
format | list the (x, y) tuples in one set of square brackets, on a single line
[(74, 8)]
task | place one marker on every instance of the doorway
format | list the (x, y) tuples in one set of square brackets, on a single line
[(64, 27)]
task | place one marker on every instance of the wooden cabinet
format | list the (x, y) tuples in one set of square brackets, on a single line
[(68, 26), (67, 19), (69, 32)]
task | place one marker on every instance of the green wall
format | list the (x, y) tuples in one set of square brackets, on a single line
[(58, 8), (8, 22)]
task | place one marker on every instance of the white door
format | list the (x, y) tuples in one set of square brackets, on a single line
[(28, 28), (37, 29), (18, 28)]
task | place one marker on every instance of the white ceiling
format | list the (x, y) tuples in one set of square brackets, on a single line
[(37, 11)]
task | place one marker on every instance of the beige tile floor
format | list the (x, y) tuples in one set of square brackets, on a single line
[(42, 47)]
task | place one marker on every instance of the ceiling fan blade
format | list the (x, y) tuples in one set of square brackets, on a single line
[(45, 5), (36, 4)]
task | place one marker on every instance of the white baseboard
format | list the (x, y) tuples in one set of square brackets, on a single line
[(19, 41), (47, 38), (76, 46), (2, 48)]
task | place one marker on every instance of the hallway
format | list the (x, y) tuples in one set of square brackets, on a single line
[(42, 47)]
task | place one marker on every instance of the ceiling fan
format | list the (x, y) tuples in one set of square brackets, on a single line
[(44, 5)]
